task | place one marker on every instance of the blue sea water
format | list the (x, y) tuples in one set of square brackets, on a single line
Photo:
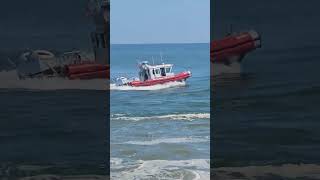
[(268, 114), (53, 132), (49, 126), (161, 132)]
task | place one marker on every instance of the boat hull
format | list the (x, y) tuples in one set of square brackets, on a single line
[(87, 71), (178, 77), (237, 45)]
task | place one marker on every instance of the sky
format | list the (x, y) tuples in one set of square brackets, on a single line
[(160, 21)]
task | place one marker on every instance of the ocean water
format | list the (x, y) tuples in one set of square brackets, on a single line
[(50, 131), (161, 132), (54, 126), (268, 113)]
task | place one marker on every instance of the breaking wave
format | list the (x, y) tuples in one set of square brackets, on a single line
[(170, 141), (147, 88), (194, 169), (10, 80), (187, 117)]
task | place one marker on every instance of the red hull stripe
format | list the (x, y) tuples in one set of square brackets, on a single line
[(233, 45), (87, 71), (231, 41), (238, 50), (178, 77), (104, 74), (83, 68)]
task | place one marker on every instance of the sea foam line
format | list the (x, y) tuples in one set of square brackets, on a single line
[(187, 117), (170, 141), (195, 169)]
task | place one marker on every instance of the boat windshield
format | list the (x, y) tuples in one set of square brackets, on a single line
[(145, 76), (163, 72), (168, 70)]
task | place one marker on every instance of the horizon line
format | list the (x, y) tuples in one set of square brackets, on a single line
[(159, 43)]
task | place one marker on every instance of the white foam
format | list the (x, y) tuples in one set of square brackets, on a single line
[(170, 141), (147, 88), (187, 117), (10, 80), (195, 169)]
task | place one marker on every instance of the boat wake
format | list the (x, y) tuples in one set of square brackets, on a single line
[(147, 88), (10, 80), (186, 117), (194, 169), (177, 140)]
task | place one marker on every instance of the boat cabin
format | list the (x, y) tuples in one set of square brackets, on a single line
[(149, 72)]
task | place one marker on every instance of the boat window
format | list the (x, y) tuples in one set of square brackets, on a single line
[(163, 72), (148, 73), (157, 71), (168, 70), (145, 76)]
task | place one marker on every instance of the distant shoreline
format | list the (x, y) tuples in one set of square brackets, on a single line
[(115, 44)]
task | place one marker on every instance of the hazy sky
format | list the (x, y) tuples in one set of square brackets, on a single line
[(160, 21)]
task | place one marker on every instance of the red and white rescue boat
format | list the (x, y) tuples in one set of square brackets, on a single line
[(150, 75)]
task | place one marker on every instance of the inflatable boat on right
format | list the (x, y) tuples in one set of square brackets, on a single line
[(227, 53)]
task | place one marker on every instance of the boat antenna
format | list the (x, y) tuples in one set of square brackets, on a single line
[(161, 57), (152, 60)]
